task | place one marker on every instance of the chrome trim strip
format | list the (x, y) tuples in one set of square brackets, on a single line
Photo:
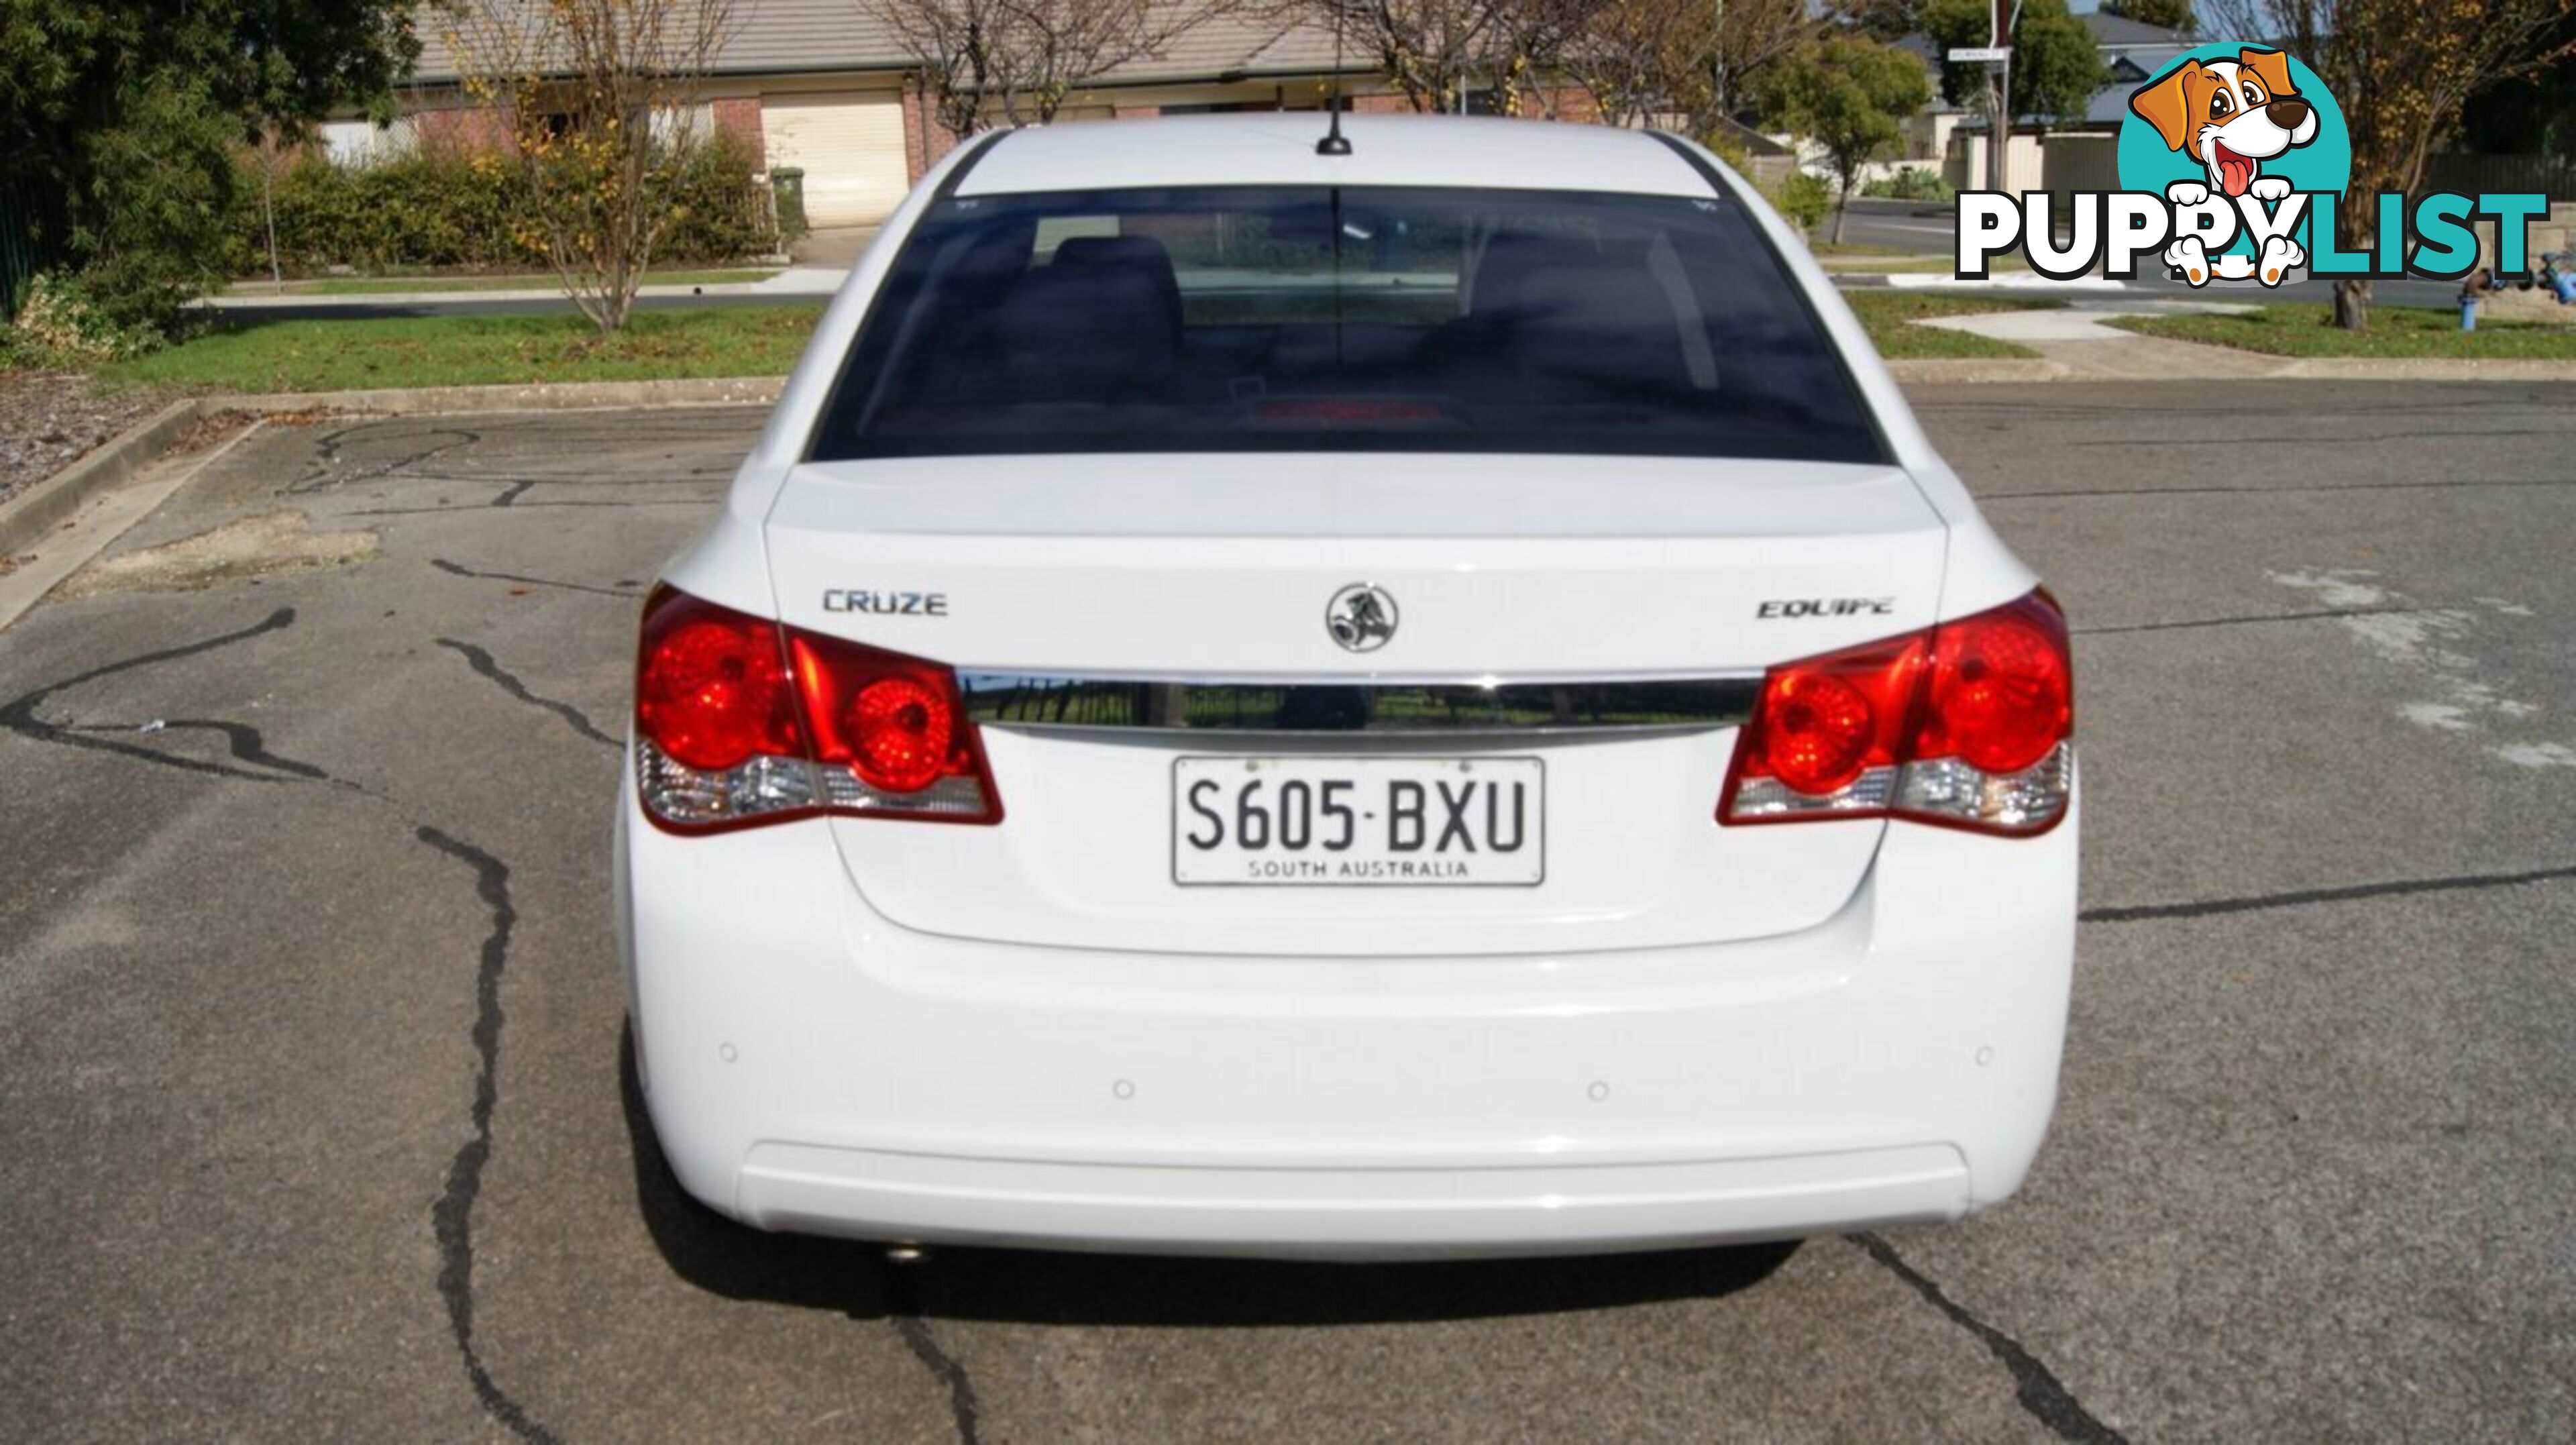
[(1363, 705)]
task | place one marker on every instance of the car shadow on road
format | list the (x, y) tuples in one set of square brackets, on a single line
[(1036, 1287)]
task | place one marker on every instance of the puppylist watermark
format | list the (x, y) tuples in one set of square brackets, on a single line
[(2234, 167)]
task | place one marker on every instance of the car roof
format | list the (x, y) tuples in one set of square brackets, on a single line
[(1279, 149)]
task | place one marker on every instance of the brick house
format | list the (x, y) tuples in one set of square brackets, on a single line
[(821, 85)]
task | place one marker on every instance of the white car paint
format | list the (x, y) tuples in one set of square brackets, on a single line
[(1027, 1033)]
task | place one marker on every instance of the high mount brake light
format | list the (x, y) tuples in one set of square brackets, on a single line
[(739, 721), (1967, 724)]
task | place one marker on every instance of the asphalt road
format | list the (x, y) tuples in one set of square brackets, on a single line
[(313, 1121)]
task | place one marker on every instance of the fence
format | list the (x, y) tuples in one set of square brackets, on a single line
[(2552, 176)]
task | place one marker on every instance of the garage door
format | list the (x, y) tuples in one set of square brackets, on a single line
[(851, 150)]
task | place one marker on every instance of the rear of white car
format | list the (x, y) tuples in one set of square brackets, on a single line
[(1431, 701)]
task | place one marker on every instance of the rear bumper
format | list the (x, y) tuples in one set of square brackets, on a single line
[(811, 1067)]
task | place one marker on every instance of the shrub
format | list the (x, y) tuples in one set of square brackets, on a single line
[(62, 326), (1729, 150), (442, 206), (435, 207), (1802, 198), (719, 212), (1914, 183)]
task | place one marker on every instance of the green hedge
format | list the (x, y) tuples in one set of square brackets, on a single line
[(1914, 183), (445, 207)]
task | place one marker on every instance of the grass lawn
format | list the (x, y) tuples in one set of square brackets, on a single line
[(337, 355), (427, 285), (2299, 328), (1890, 317)]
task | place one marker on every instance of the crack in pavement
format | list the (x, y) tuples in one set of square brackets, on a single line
[(454, 569), (19, 716), (326, 472), (2284, 491), (2204, 908), (2037, 1389), (2490, 398), (714, 476), (905, 1310), (452, 1217), (2337, 439), (245, 741), (482, 663), (461, 509), (2118, 628)]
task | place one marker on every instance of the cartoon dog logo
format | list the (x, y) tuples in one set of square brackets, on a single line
[(2231, 116)]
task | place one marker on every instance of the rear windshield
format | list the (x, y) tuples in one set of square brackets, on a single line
[(1342, 319)]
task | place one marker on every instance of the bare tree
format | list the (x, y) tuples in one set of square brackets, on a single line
[(1751, 36), (1015, 61), (1682, 59), (1644, 59), (596, 103), (2402, 70), (1435, 50), (1527, 54)]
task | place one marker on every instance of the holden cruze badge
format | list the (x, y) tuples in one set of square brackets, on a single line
[(1361, 617), (891, 604)]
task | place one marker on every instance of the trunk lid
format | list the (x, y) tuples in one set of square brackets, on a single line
[(1218, 569)]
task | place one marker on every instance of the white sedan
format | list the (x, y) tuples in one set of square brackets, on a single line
[(1425, 701)]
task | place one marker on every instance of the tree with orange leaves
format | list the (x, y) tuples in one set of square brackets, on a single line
[(598, 106)]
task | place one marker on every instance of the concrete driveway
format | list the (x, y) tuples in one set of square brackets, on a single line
[(317, 1121)]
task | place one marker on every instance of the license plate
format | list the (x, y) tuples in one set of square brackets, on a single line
[(1367, 822)]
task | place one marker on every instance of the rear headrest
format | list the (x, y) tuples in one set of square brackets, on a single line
[(1100, 250), (1512, 258), (1599, 296), (1076, 333), (1140, 256), (1572, 312)]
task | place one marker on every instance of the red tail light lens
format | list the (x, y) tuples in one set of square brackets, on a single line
[(901, 731), (891, 733), (739, 721), (710, 687), (2000, 694), (1967, 724), (1827, 721)]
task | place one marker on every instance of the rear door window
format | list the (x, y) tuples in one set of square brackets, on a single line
[(1342, 319)]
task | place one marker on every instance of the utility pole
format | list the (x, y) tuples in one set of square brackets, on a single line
[(1999, 129)]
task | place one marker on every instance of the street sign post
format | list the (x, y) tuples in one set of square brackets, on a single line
[(1980, 54), (1999, 90)]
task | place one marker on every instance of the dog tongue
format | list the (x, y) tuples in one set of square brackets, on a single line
[(2235, 172)]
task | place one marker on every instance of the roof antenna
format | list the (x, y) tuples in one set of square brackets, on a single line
[(1334, 143)]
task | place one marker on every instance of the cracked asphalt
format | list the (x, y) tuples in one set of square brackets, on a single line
[(315, 1119)]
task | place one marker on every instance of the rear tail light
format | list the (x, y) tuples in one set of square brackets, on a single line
[(1968, 724), (741, 721)]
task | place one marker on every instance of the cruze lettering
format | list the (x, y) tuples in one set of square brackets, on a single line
[(886, 604)]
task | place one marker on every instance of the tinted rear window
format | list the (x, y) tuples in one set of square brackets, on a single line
[(1315, 319)]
